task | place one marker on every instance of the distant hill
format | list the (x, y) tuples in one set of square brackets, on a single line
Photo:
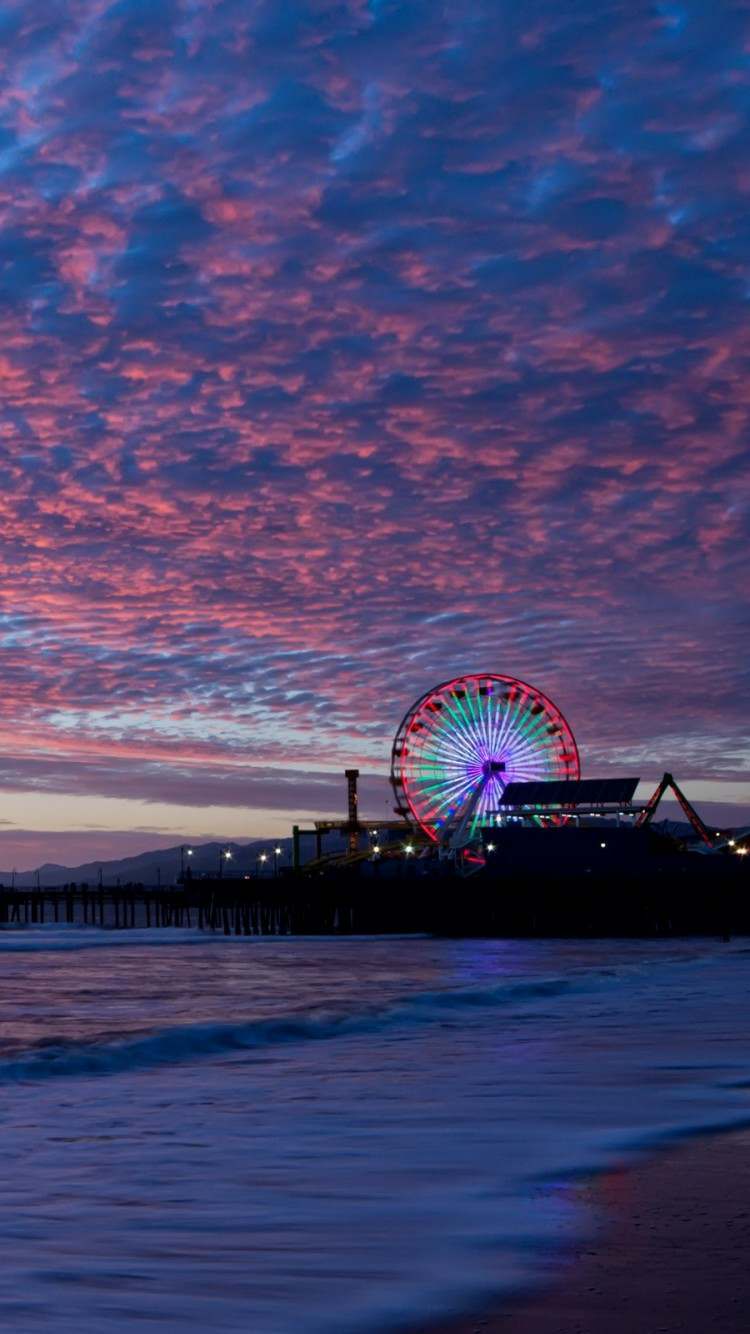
[(162, 866)]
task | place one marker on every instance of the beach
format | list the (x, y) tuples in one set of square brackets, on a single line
[(669, 1252)]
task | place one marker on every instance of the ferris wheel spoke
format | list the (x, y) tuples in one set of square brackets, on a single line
[(487, 728), (462, 725), (481, 730), (442, 799), (455, 752), (526, 761), (450, 768), (443, 787), (497, 722), (459, 742), (449, 783), (529, 739), (484, 725), (523, 745), (537, 733), (510, 720), (475, 715), (528, 729), (437, 761)]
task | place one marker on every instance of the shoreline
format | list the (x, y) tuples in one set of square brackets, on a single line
[(668, 1252)]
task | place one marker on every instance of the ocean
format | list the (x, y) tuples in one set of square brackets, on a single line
[(332, 1136)]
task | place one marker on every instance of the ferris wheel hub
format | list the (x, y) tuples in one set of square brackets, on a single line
[(493, 767)]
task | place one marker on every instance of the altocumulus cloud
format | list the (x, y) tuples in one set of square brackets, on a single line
[(346, 348)]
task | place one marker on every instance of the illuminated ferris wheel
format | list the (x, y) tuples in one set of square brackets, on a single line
[(461, 744)]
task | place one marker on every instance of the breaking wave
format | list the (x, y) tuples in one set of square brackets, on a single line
[(177, 1044)]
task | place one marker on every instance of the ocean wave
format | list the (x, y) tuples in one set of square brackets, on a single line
[(168, 1046), (179, 1044), (175, 1044), (503, 994), (59, 936)]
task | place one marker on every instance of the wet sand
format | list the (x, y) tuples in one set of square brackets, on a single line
[(670, 1252)]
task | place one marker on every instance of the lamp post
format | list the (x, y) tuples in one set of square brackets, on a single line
[(224, 856), (262, 858), (184, 852), (276, 855)]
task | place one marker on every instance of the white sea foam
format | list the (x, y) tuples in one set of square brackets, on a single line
[(18, 938), (331, 1136)]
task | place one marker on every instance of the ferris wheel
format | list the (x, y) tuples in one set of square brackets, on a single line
[(461, 744)]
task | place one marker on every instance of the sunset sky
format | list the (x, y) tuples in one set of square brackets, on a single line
[(347, 348)]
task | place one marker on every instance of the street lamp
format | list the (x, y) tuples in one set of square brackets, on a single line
[(276, 855), (262, 858), (184, 852), (224, 856)]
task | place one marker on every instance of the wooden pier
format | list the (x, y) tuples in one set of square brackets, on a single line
[(290, 905), (687, 896)]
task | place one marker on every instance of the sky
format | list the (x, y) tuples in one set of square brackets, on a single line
[(347, 348)]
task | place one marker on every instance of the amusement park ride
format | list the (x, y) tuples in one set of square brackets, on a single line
[(461, 745), (481, 752)]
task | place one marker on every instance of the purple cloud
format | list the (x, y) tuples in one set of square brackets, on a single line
[(345, 350)]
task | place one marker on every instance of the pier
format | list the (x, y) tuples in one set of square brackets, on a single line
[(672, 896), (289, 905)]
